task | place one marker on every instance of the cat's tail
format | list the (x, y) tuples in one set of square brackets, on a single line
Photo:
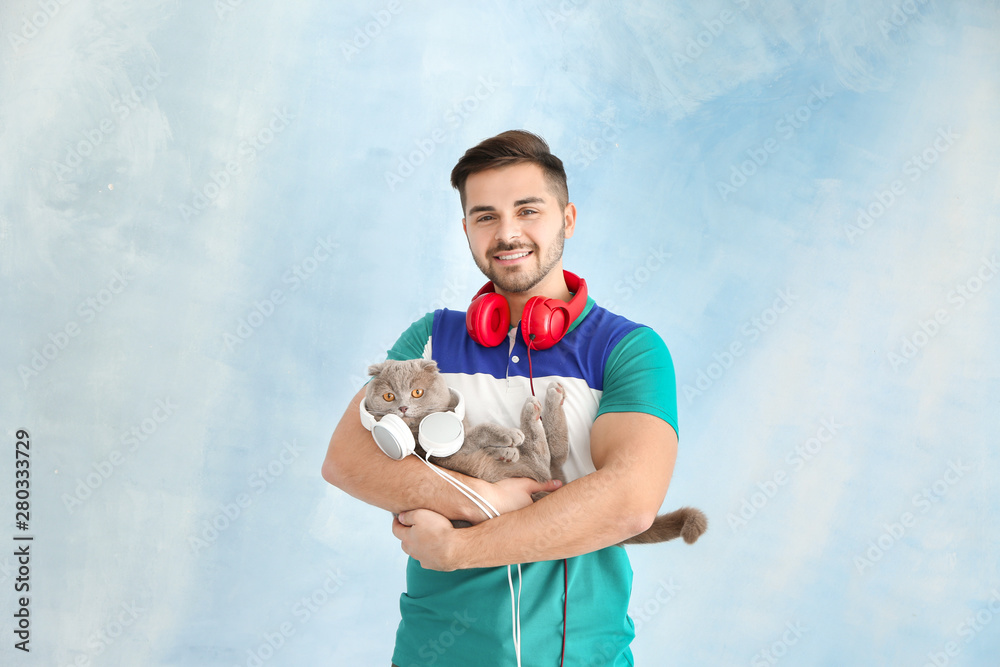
[(687, 522)]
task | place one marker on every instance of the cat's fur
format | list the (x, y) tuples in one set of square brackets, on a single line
[(493, 452)]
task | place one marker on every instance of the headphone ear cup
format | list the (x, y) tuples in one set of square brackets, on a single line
[(393, 437), (488, 319), (544, 322), (441, 434)]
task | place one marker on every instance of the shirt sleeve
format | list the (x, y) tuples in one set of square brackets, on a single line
[(639, 377), (412, 343)]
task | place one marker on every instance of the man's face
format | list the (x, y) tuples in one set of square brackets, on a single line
[(515, 225)]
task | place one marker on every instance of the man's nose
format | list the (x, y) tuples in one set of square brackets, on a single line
[(509, 228)]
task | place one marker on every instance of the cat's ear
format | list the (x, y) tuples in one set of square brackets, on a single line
[(376, 369), (428, 365)]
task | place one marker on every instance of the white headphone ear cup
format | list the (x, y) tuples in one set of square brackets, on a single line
[(441, 433), (393, 437)]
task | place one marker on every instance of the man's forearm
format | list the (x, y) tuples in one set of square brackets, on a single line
[(355, 465), (634, 455), (586, 515)]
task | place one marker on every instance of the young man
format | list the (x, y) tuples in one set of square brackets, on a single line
[(621, 411)]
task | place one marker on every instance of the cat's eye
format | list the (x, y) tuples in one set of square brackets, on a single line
[(388, 397), (417, 393)]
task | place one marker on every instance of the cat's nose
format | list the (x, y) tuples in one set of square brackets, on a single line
[(403, 409)]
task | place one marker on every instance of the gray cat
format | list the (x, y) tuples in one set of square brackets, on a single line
[(414, 389)]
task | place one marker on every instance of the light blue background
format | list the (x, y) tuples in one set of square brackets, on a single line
[(136, 269)]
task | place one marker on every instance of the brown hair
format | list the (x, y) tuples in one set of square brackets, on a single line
[(509, 148)]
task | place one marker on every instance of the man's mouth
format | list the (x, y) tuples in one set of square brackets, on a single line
[(512, 256)]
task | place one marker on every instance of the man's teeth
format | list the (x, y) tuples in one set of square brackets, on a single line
[(514, 256)]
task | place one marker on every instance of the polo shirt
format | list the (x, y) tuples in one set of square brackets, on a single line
[(606, 363)]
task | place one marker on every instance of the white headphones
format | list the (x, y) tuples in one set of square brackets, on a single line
[(439, 433)]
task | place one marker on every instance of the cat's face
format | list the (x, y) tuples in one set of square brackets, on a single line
[(409, 389)]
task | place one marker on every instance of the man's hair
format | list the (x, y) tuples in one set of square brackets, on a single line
[(509, 148)]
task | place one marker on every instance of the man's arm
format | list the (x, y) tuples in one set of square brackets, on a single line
[(634, 454), (355, 464)]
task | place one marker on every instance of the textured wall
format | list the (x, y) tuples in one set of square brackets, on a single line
[(214, 215)]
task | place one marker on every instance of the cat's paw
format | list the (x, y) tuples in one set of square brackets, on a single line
[(555, 396), (505, 454), (531, 411), (514, 438), (504, 437)]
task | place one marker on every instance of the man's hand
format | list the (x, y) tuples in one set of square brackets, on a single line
[(427, 537), (509, 495)]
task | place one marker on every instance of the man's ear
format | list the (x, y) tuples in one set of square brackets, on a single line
[(569, 219), (465, 229)]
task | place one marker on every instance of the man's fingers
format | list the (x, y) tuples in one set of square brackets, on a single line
[(544, 487), (408, 518), (551, 485), (399, 527)]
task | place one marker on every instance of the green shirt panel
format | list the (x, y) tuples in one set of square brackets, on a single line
[(639, 377)]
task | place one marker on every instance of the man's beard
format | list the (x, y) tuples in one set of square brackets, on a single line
[(521, 279)]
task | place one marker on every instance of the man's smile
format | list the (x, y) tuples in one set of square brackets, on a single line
[(511, 256)]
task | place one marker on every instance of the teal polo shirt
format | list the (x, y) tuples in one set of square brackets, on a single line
[(606, 363)]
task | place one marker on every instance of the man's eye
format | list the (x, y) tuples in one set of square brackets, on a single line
[(528, 211)]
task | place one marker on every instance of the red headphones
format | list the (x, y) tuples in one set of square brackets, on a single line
[(543, 323)]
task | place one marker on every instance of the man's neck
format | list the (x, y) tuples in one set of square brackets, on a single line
[(553, 286)]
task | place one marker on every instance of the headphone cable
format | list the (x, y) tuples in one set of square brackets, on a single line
[(562, 656), (477, 499), (531, 374), (515, 604)]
